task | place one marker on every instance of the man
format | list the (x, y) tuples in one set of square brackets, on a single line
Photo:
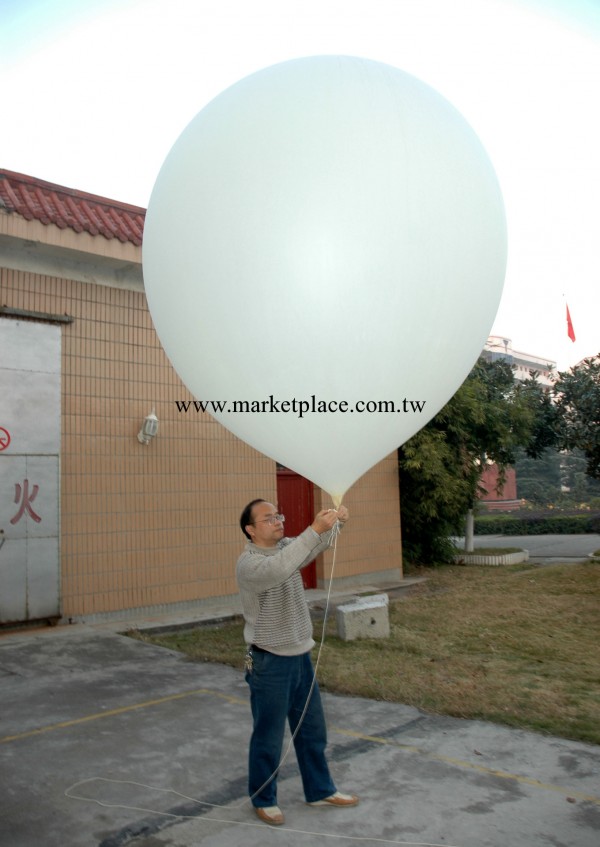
[(278, 632)]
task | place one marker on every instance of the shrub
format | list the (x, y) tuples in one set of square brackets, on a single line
[(538, 524)]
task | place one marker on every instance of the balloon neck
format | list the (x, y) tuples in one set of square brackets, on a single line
[(337, 499)]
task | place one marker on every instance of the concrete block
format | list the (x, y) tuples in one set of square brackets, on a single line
[(366, 617)]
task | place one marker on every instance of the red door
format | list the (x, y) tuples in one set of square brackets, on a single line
[(295, 501)]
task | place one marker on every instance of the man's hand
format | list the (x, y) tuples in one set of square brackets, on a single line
[(343, 514), (325, 520)]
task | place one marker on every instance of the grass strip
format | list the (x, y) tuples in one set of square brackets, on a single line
[(516, 645)]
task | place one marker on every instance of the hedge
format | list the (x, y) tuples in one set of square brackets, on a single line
[(538, 524)]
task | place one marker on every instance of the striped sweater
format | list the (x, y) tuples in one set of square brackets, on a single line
[(275, 609)]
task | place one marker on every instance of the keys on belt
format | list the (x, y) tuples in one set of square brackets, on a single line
[(248, 660)]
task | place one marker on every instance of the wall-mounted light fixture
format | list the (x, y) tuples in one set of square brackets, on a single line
[(149, 428)]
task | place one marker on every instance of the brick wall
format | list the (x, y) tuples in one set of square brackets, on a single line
[(152, 526)]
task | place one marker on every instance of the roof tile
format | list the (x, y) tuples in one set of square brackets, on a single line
[(35, 199)]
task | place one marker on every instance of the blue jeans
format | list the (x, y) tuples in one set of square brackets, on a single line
[(279, 687)]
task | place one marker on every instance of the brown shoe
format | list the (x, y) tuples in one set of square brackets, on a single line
[(337, 799), (270, 814)]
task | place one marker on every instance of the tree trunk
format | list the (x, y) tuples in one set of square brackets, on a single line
[(469, 532)]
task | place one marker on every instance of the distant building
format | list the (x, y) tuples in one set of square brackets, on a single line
[(498, 348)]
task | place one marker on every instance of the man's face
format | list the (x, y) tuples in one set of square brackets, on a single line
[(261, 530)]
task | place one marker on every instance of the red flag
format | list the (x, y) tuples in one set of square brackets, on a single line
[(570, 330)]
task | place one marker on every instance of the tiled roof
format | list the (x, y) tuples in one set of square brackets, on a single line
[(42, 201)]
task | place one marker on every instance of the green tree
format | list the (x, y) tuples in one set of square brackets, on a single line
[(539, 479), (440, 467), (556, 477), (577, 394), (577, 486)]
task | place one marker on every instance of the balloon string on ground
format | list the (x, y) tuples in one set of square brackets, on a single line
[(283, 831)]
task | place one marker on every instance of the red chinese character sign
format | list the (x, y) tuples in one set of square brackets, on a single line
[(25, 499), (342, 235)]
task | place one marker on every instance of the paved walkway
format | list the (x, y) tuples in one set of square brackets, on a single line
[(156, 745)]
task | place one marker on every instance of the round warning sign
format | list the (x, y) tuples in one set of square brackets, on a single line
[(4, 438)]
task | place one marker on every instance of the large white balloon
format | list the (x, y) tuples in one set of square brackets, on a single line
[(328, 231)]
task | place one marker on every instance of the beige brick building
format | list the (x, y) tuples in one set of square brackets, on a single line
[(148, 528)]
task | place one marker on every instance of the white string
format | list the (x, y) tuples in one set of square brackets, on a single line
[(283, 831), (335, 532)]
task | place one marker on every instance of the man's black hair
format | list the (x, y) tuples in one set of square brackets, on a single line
[(246, 516)]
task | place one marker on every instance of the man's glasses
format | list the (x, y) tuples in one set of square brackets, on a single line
[(272, 520)]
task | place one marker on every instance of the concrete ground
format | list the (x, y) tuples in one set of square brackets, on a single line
[(106, 741)]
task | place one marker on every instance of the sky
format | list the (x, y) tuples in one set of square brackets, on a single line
[(95, 93)]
